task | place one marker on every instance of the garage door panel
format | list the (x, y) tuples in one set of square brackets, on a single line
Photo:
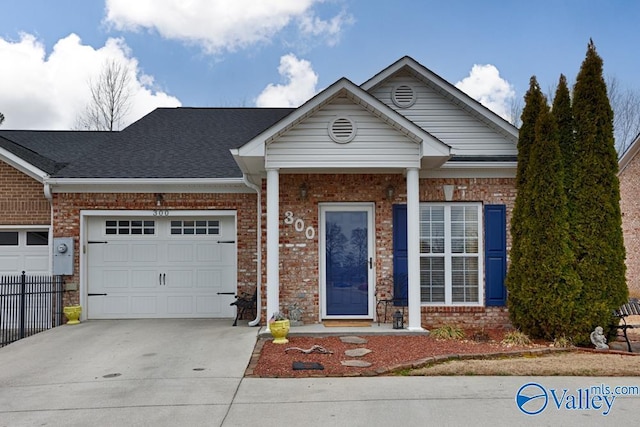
[(209, 252), (36, 262), (209, 279), (114, 279), (179, 252), (144, 253), (113, 252), (113, 305), (208, 304), (145, 279), (171, 273), (144, 305), (182, 305), (179, 279), (10, 263)]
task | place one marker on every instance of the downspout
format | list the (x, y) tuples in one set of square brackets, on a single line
[(256, 321), (49, 196)]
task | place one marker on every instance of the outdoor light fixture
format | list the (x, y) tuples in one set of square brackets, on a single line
[(389, 192), (159, 199), (304, 191), (398, 320), (448, 192)]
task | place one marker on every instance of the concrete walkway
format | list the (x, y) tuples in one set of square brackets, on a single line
[(190, 372)]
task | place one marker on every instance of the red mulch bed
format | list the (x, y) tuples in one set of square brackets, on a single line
[(389, 353)]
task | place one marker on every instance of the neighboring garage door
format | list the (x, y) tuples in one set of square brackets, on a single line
[(150, 267), (24, 250)]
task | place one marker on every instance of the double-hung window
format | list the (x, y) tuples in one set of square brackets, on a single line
[(450, 257)]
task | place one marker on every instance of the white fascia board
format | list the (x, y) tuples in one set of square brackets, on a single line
[(480, 165), (147, 185), (469, 172), (23, 166), (431, 77), (628, 155)]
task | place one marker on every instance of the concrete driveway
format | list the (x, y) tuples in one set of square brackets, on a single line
[(125, 372), (189, 373)]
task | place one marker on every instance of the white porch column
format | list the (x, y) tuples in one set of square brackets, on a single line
[(273, 243), (413, 248)]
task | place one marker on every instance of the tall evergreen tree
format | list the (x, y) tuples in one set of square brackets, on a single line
[(549, 294), (564, 119), (517, 281), (595, 200)]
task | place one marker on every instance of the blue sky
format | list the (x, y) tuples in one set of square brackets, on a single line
[(225, 53)]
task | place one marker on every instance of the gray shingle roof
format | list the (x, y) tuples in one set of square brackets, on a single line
[(51, 151), (166, 143), (177, 143)]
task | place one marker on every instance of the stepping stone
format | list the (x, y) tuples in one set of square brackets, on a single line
[(355, 363), (353, 340), (357, 352), (301, 366)]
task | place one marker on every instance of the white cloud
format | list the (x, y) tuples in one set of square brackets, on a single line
[(48, 92), (485, 85), (311, 25), (222, 25), (300, 84)]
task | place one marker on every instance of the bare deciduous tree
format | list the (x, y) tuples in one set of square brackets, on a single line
[(515, 112), (110, 98), (626, 113)]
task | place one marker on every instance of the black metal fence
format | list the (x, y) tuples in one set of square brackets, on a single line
[(28, 305)]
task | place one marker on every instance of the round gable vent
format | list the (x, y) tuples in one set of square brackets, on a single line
[(342, 130), (403, 96)]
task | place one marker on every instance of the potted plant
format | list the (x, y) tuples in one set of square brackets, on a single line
[(279, 326)]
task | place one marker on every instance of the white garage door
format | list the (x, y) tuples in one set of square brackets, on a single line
[(153, 267), (24, 250)]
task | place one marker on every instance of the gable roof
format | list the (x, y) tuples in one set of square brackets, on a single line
[(448, 90), (176, 143), (248, 154)]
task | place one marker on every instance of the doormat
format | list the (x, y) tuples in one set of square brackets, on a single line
[(301, 366), (346, 323)]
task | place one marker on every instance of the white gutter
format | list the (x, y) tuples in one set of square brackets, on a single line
[(138, 181), (256, 321)]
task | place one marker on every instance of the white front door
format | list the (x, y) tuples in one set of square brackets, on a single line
[(151, 267), (347, 260)]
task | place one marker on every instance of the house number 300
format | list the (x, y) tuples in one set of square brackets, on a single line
[(298, 225)]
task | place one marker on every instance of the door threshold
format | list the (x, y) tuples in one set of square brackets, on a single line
[(338, 323)]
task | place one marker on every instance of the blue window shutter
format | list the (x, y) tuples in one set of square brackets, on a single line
[(400, 252), (495, 254)]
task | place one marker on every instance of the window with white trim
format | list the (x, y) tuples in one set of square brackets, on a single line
[(130, 227), (191, 227), (450, 259)]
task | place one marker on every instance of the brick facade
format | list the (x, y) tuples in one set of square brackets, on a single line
[(630, 207), (299, 281), (67, 207), (22, 200)]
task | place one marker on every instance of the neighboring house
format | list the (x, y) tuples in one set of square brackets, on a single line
[(628, 173), (400, 187)]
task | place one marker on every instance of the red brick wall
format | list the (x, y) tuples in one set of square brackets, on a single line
[(630, 207), (299, 281), (67, 207), (22, 200)]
